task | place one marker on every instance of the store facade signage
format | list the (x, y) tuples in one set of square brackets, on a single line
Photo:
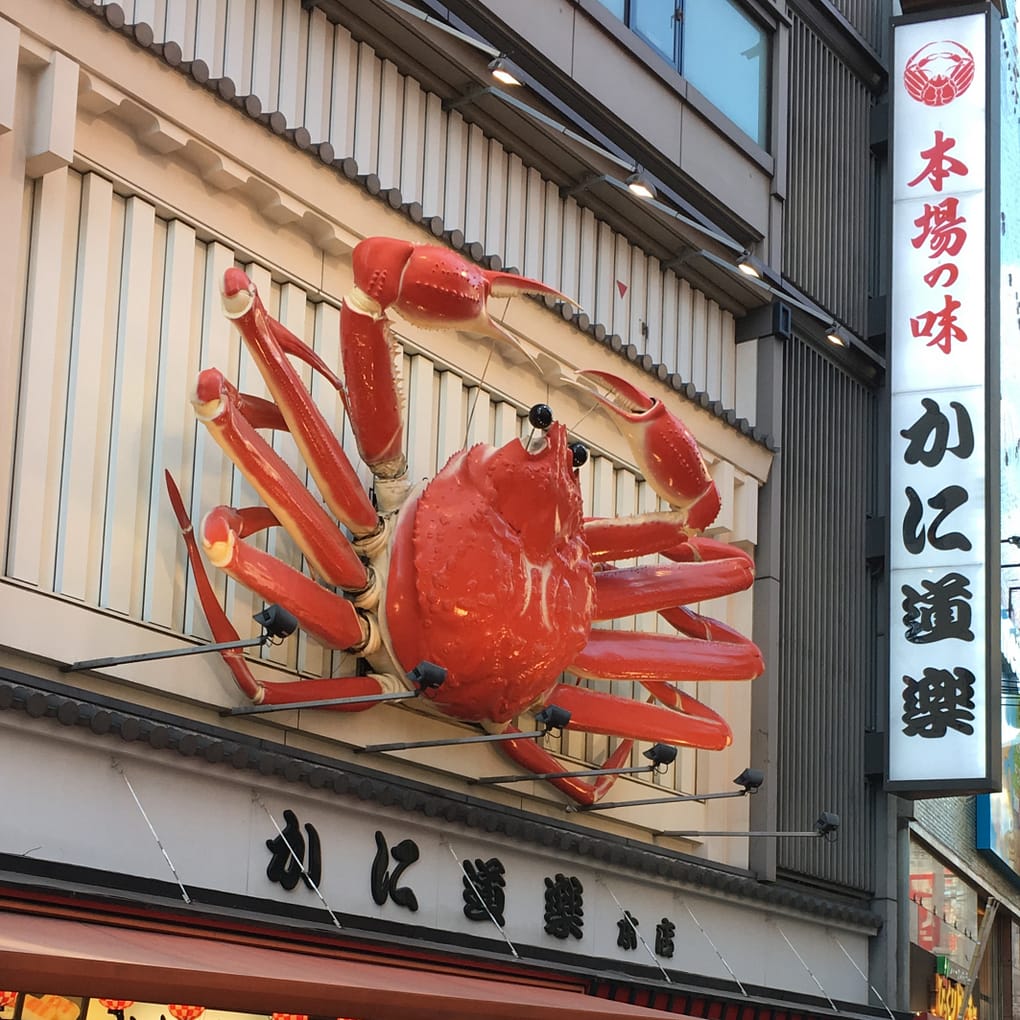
[(371, 861), (949, 968), (943, 636), (295, 858), (949, 999)]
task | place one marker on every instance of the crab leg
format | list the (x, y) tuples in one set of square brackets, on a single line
[(224, 631), (685, 723), (664, 449), (624, 538), (330, 618), (537, 759), (624, 592), (629, 655), (319, 447), (328, 551), (703, 627)]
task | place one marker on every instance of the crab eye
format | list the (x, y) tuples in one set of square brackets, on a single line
[(580, 452), (540, 417)]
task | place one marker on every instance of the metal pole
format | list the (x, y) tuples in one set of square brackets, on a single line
[(325, 703), (170, 653), (580, 773), (680, 799), (483, 738)]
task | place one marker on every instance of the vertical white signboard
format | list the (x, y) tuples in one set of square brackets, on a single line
[(939, 694)]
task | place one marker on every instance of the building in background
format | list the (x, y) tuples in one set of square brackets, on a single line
[(162, 841)]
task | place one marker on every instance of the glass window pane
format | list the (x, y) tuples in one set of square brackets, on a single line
[(653, 20), (726, 58), (615, 7)]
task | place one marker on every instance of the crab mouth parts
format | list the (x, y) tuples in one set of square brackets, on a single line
[(537, 445)]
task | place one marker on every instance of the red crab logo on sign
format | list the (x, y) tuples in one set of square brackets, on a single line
[(939, 72), (491, 572)]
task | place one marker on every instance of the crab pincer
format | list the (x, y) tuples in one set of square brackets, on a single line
[(428, 286)]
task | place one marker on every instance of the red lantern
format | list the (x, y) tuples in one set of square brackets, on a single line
[(8, 999), (186, 1012), (290, 1016), (117, 1004)]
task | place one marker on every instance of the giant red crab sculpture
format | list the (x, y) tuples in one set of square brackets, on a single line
[(492, 572)]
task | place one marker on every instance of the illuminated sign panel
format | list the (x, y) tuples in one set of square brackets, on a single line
[(941, 690)]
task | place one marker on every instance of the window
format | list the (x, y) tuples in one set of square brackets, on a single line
[(717, 46)]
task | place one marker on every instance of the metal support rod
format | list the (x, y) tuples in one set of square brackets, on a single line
[(483, 738), (685, 832), (580, 773), (170, 653), (362, 699), (470, 40), (679, 799)]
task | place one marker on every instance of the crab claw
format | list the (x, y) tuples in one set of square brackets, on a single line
[(432, 286), (429, 286), (664, 449)]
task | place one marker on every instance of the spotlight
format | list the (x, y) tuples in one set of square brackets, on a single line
[(640, 183), (747, 265), (276, 622), (427, 676), (750, 780), (661, 755), (552, 717), (500, 70), (835, 335), (579, 454), (827, 823)]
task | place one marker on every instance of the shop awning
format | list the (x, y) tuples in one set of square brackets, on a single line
[(72, 957)]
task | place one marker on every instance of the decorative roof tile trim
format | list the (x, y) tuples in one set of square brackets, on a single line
[(42, 699), (198, 70)]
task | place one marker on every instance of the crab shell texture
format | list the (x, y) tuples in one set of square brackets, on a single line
[(508, 609)]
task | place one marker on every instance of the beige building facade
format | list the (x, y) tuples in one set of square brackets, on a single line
[(149, 147)]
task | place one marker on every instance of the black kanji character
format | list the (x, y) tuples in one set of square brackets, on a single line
[(287, 867), (664, 932), (484, 887), (928, 438), (627, 936), (940, 611), (951, 498), (564, 907), (938, 702), (384, 884)]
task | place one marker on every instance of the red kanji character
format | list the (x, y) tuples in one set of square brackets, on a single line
[(944, 320), (941, 227), (932, 278), (940, 165)]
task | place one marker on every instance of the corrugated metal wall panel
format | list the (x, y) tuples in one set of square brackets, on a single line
[(827, 613), (868, 17), (829, 118), (312, 71)]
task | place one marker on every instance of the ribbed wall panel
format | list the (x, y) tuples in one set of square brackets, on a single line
[(870, 18), (830, 180), (300, 64), (122, 312), (827, 614)]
